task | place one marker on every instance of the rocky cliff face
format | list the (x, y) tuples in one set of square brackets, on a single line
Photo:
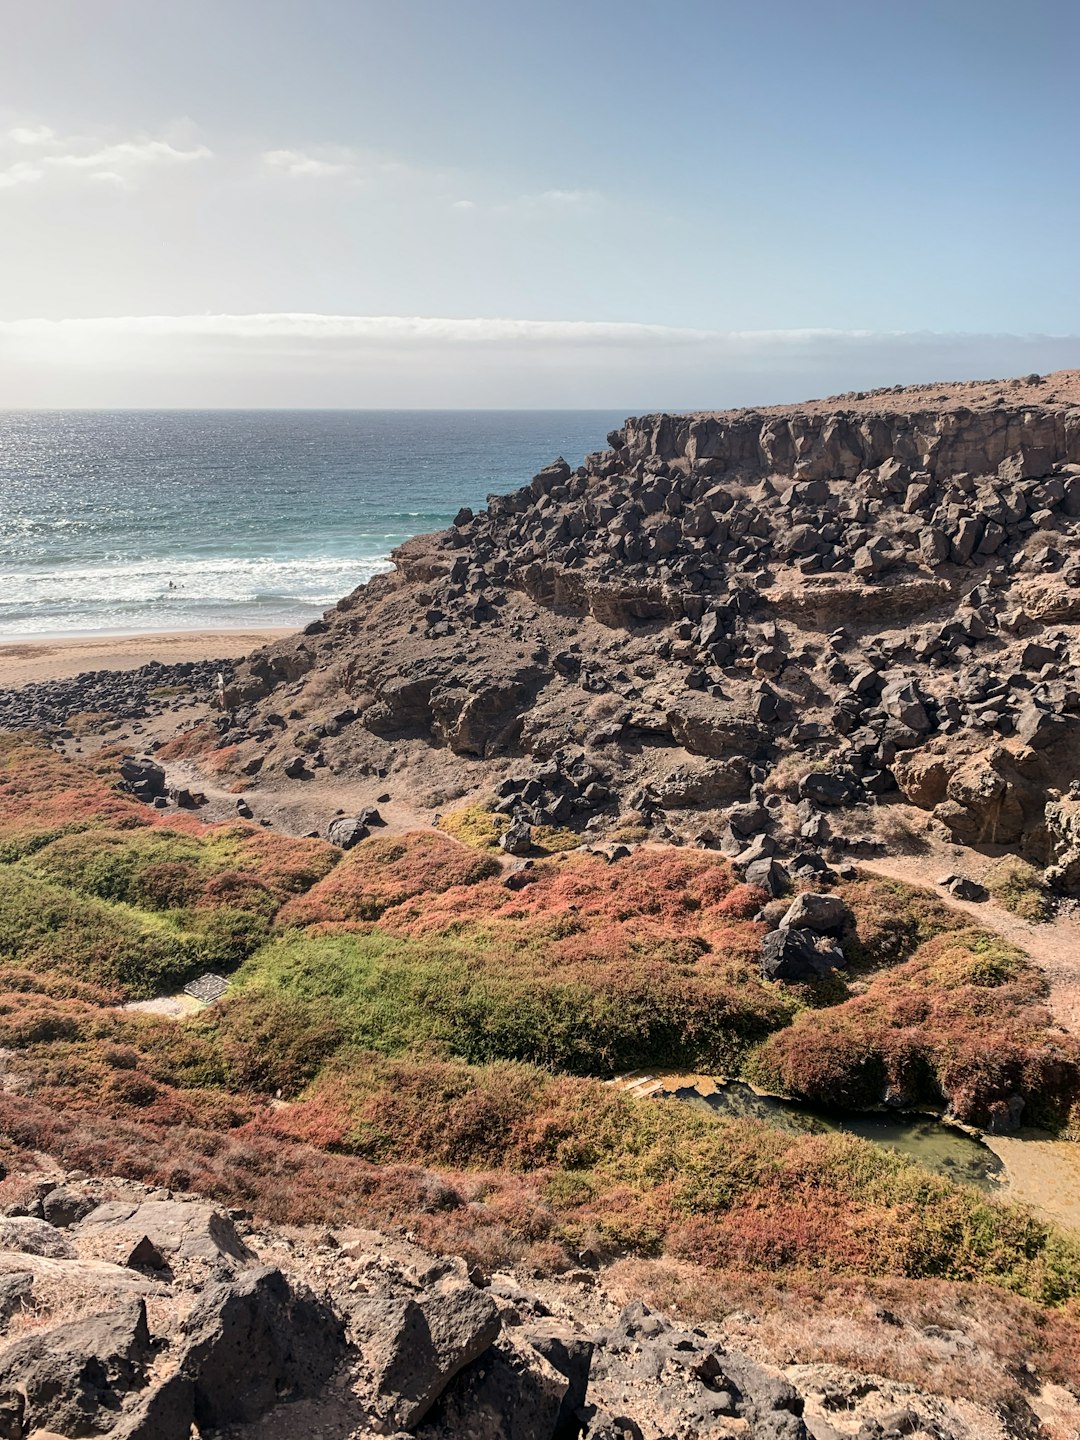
[(830, 602)]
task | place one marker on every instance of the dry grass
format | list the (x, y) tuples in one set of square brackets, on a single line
[(900, 831), (878, 1326), (1019, 888), (785, 776)]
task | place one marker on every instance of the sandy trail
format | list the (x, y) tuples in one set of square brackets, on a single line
[(1053, 945)]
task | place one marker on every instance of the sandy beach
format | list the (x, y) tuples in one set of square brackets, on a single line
[(25, 661)]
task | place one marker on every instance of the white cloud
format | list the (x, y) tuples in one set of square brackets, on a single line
[(563, 197), (129, 154), (294, 359), (463, 205), (32, 135), (296, 163), (553, 201), (362, 330), (21, 173), (342, 162), (118, 162)]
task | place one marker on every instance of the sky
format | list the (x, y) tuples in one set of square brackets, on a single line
[(589, 203)]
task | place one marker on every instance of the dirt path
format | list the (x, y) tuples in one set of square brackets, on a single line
[(1054, 945)]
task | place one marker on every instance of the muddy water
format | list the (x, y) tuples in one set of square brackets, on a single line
[(939, 1147)]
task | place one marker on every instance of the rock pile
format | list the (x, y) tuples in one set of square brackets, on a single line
[(49, 705), (170, 1320)]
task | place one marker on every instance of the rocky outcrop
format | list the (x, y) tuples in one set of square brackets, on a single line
[(873, 592), (73, 1377), (350, 1336)]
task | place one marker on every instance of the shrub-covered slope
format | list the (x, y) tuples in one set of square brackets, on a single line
[(410, 1040)]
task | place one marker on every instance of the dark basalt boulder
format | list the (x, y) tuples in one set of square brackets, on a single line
[(826, 788), (798, 955), (415, 1345), (253, 1342), (347, 831), (63, 1378)]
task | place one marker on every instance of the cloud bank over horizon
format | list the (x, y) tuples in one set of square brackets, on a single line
[(402, 361)]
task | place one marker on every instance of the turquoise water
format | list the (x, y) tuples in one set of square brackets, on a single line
[(171, 520)]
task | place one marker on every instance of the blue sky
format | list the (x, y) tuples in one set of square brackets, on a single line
[(898, 179)]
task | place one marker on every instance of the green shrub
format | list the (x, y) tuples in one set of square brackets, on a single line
[(484, 998), (44, 927)]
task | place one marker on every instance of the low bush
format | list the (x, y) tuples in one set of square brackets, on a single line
[(229, 866), (959, 1024), (476, 825), (551, 1000), (44, 927), (1019, 887), (386, 871), (42, 795), (658, 1176), (892, 920)]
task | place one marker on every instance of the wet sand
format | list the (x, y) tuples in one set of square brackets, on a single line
[(1042, 1172), (25, 661)]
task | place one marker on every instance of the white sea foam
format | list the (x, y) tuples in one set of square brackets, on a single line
[(180, 593)]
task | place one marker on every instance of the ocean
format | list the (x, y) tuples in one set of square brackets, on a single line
[(126, 521)]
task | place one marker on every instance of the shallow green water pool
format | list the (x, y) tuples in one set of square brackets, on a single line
[(939, 1147)]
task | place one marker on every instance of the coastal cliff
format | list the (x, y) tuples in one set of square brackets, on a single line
[(871, 597)]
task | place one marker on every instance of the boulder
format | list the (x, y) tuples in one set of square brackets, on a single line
[(1063, 837), (347, 831), (705, 784), (183, 1229), (713, 728), (982, 804), (144, 778), (901, 699), (252, 1343), (68, 1375), (64, 1206), (748, 819), (162, 1412), (413, 1346), (768, 875), (824, 914), (826, 788), (571, 1355), (1039, 727), (798, 955), (921, 776), (516, 839), (513, 1393), (963, 888), (34, 1237)]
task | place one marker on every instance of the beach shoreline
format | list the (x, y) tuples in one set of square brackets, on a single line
[(29, 660)]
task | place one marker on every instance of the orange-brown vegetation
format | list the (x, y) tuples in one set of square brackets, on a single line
[(390, 1054)]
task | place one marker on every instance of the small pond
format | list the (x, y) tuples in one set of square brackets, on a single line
[(942, 1148)]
